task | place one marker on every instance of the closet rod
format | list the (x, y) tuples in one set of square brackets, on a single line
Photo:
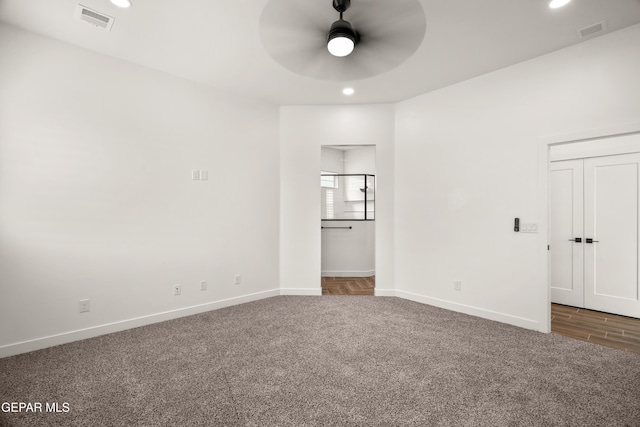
[(349, 227)]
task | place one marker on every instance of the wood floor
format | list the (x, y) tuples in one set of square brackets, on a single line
[(348, 285), (605, 329)]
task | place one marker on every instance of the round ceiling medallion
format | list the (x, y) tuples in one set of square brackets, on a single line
[(294, 33)]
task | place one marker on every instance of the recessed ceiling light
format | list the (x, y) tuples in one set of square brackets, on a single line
[(348, 91), (554, 4), (122, 3)]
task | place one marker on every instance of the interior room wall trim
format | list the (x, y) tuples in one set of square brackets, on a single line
[(473, 311), (109, 328), (588, 134), (302, 291)]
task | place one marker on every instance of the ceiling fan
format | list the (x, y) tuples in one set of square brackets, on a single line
[(342, 38), (306, 38)]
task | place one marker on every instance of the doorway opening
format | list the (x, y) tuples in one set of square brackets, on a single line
[(594, 236), (348, 187)]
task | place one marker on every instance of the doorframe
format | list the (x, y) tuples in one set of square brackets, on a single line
[(376, 242), (544, 146)]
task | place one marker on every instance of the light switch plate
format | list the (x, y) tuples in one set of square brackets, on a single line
[(528, 227)]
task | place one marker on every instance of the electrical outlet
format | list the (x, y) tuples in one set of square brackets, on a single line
[(237, 279), (204, 175), (203, 285), (84, 306), (177, 289), (457, 285), (195, 175)]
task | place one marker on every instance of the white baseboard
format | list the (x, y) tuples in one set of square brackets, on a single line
[(365, 273), (301, 291), (94, 331), (473, 311), (67, 337)]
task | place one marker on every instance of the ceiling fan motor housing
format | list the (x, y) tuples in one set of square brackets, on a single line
[(342, 28)]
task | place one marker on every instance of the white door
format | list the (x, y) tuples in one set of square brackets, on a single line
[(566, 230), (611, 234), (594, 233)]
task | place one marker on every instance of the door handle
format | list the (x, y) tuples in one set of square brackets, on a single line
[(591, 241), (577, 240)]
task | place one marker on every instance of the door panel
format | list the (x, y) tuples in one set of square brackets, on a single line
[(566, 223), (612, 220)]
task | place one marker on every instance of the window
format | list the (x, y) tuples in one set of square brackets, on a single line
[(348, 197), (328, 205), (328, 180)]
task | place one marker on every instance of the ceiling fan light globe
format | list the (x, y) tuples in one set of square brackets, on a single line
[(340, 46)]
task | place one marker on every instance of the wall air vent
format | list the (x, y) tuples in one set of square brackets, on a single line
[(591, 30), (94, 18)]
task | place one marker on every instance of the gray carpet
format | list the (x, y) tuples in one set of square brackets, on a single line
[(324, 361)]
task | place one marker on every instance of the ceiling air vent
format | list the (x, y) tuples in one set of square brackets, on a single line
[(95, 18), (596, 28)]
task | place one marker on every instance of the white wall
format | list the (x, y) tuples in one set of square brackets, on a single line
[(332, 160), (97, 201), (348, 252), (467, 164), (360, 160), (303, 131)]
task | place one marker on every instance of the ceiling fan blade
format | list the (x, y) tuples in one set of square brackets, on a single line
[(391, 31), (289, 21), (389, 15), (294, 34)]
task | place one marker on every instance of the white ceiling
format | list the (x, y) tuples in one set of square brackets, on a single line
[(217, 42)]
